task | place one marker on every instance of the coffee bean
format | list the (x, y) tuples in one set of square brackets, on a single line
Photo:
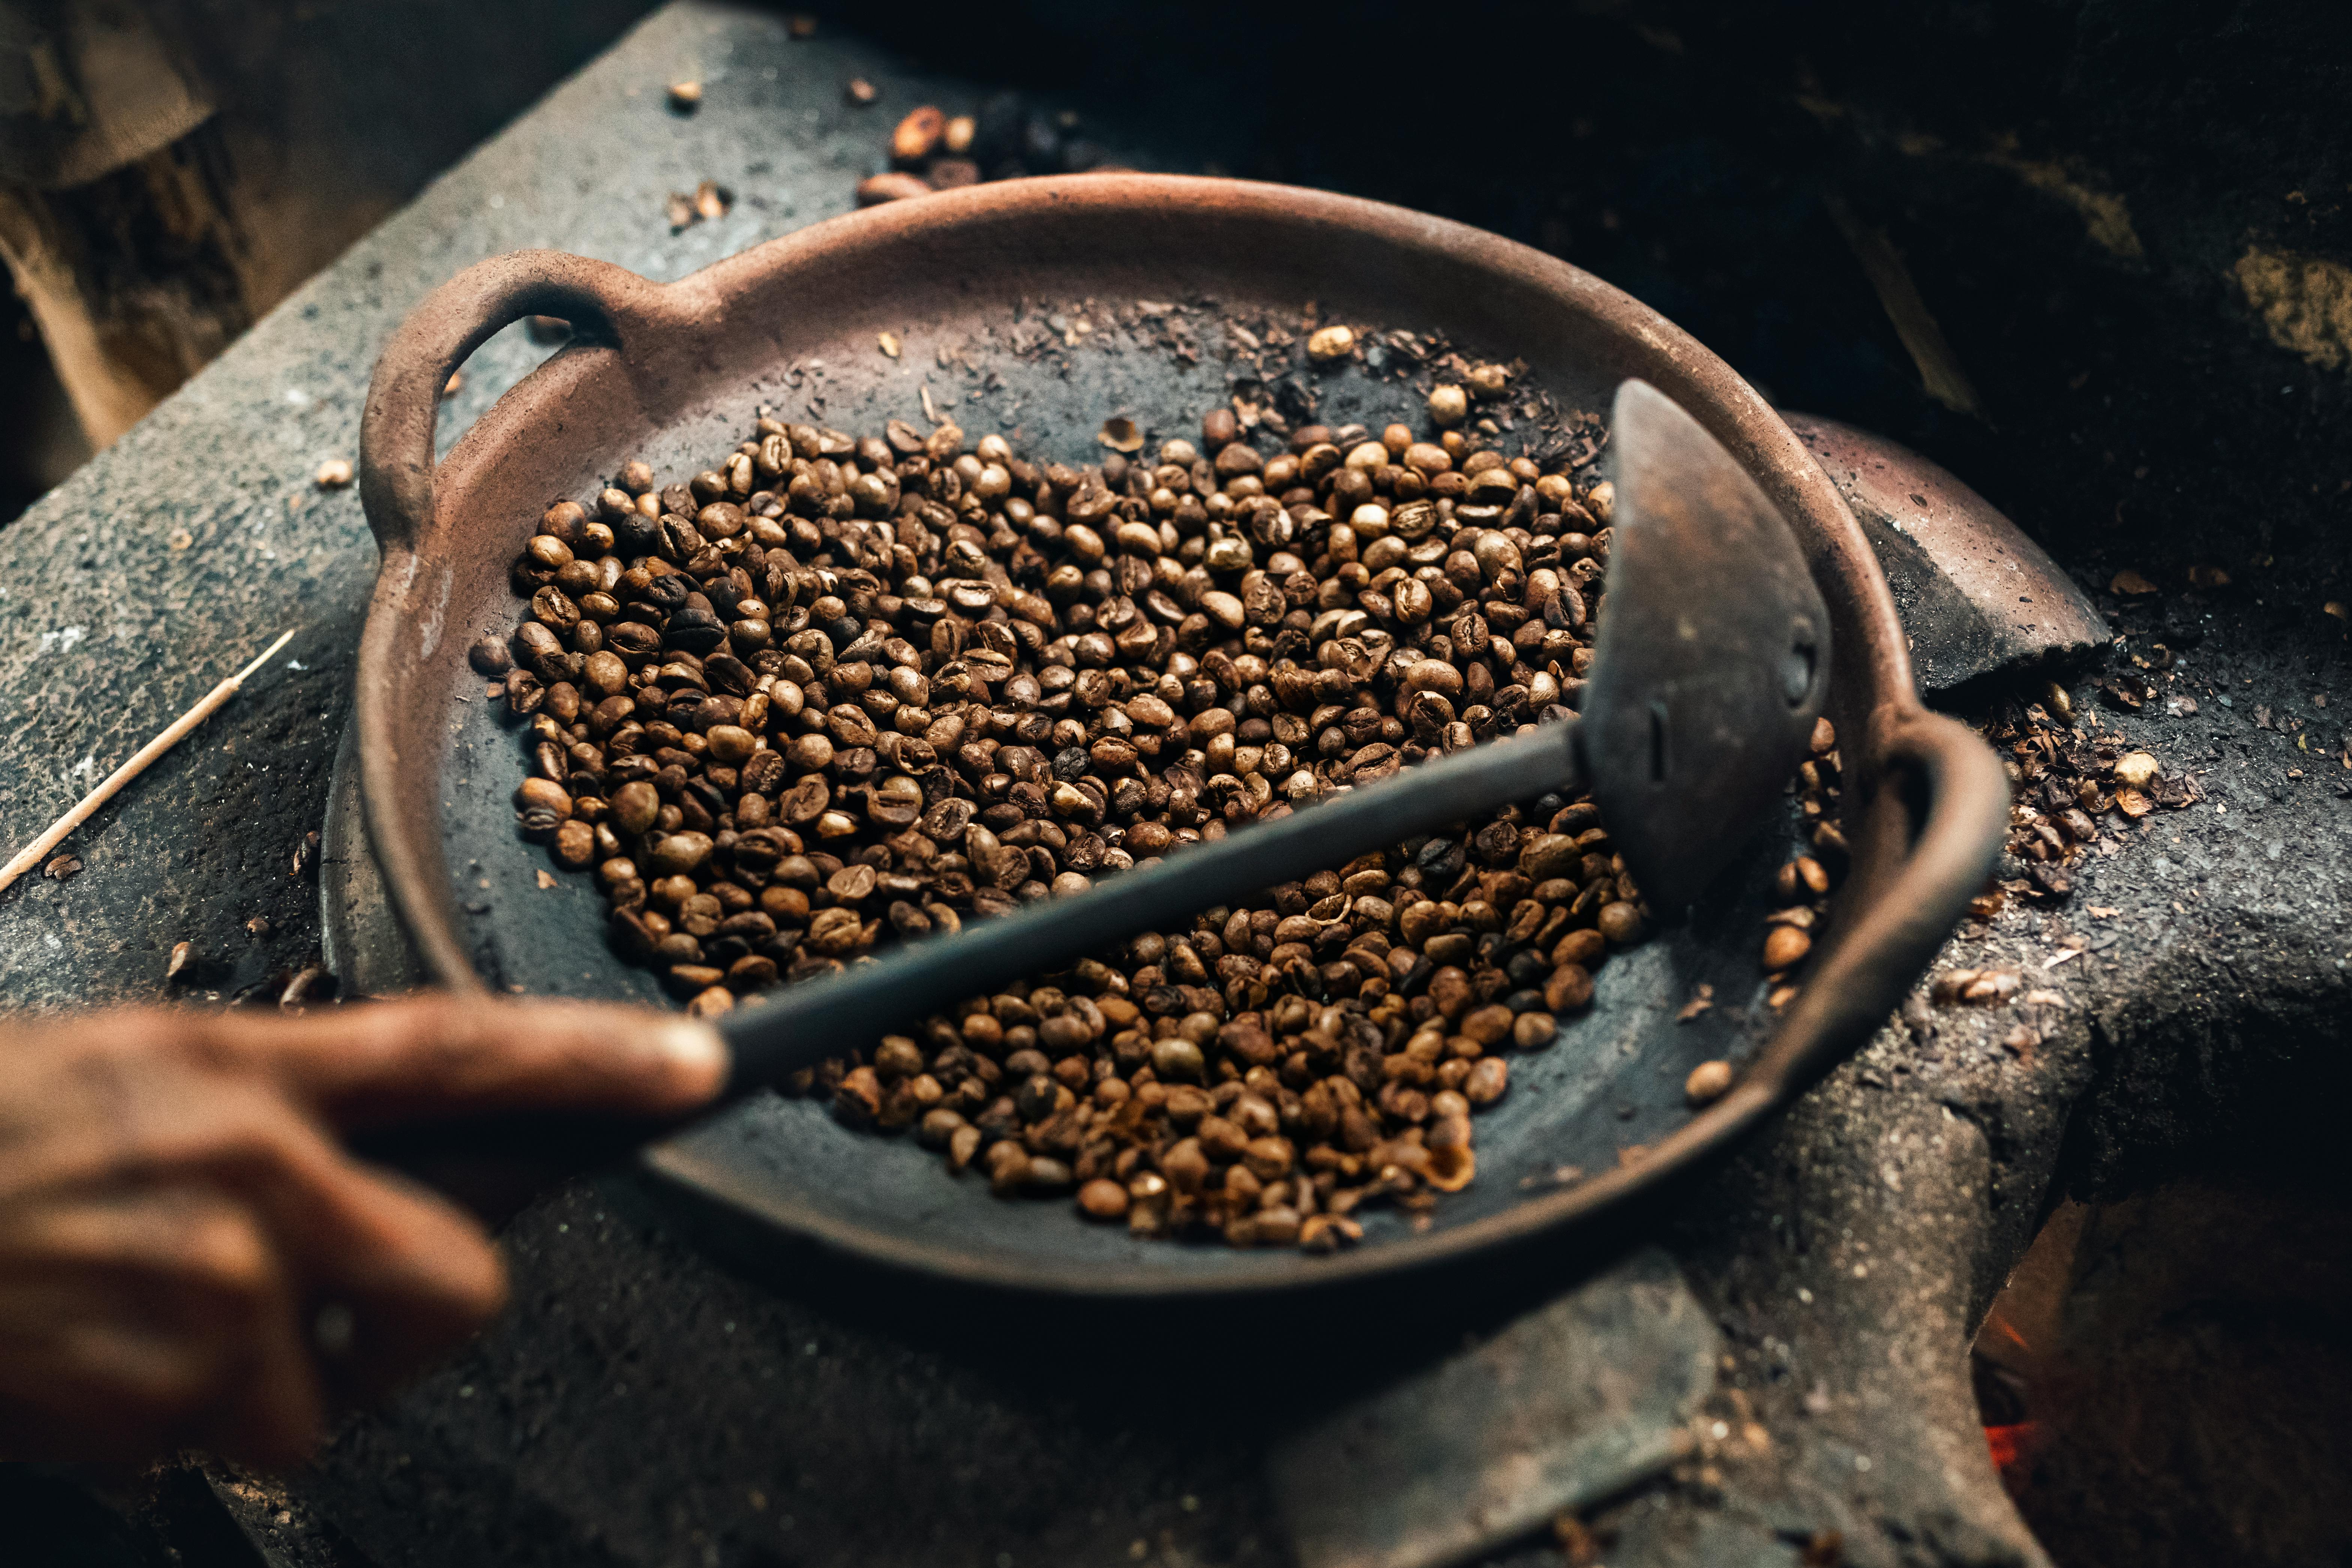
[(1708, 1082), (1103, 1199), (1488, 1025), (541, 795), (681, 854), (1568, 990), (1622, 923), (1785, 947), (488, 656), (1490, 1077), (731, 744), (840, 691), (918, 133), (574, 844), (1329, 345), (1177, 1059)]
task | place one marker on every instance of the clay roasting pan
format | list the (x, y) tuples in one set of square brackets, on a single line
[(674, 373)]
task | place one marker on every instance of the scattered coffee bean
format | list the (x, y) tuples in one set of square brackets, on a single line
[(309, 983), (709, 200), (917, 135), (1708, 1082), (1327, 345), (1785, 947), (488, 656), (1005, 141), (2066, 777)]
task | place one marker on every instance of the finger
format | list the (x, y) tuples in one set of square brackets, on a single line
[(428, 1283), (276, 1409), (267, 1406), (85, 1379), (418, 1276), (181, 1231), (436, 1056), (96, 1391), (132, 1322)]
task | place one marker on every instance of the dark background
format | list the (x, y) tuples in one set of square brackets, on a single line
[(2072, 184), (1693, 153)]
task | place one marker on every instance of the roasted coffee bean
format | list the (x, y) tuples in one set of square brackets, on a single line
[(1103, 1199), (1708, 1082), (846, 690), (1785, 947)]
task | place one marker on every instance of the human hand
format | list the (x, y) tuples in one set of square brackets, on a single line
[(175, 1212)]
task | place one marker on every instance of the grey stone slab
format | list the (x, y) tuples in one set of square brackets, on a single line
[(1574, 1403)]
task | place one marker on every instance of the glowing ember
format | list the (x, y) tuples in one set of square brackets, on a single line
[(2010, 1445)]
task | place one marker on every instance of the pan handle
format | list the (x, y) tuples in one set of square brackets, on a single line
[(602, 302), (1955, 801)]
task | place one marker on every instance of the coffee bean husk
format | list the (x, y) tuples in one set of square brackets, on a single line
[(2073, 790)]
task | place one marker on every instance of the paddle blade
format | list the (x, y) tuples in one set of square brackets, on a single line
[(1714, 655)]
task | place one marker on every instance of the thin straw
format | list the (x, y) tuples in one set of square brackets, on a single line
[(39, 848)]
